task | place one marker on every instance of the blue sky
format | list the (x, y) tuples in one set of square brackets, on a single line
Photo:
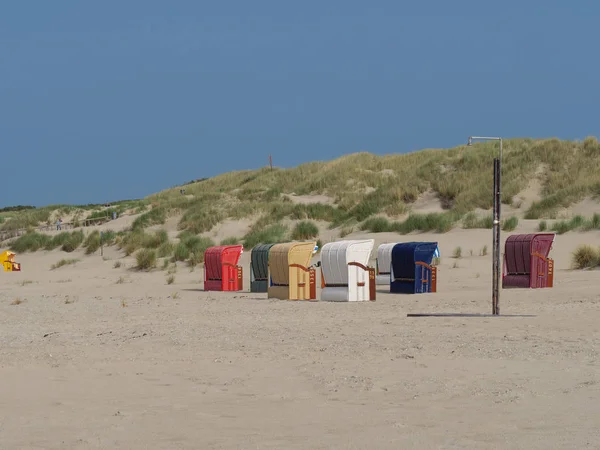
[(101, 101)]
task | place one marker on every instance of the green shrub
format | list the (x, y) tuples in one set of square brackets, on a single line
[(542, 226), (510, 224), (577, 222), (92, 242), (156, 216), (376, 225), (30, 242), (197, 245), (108, 237), (345, 232), (27, 218), (563, 226), (471, 221), (195, 259), (154, 240), (181, 252), (317, 211), (138, 239), (73, 242), (230, 241), (200, 218), (58, 240), (585, 256), (166, 249), (593, 223), (457, 253), (271, 234), (438, 222), (63, 262), (146, 259), (305, 230)]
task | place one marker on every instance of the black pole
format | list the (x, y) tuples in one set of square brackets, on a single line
[(496, 237)]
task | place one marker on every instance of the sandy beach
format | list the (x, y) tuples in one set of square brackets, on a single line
[(98, 357)]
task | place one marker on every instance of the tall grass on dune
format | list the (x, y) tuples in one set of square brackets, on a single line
[(510, 224), (304, 230), (34, 241), (433, 222), (146, 259), (156, 216), (270, 234), (191, 248), (358, 189), (471, 221), (30, 242), (585, 257)]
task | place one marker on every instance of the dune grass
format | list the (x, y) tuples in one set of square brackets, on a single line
[(270, 234), (191, 248), (586, 257), (510, 224), (471, 221), (363, 185), (366, 191), (575, 223), (64, 262), (138, 239), (433, 222), (34, 241), (304, 230), (156, 216), (145, 259)]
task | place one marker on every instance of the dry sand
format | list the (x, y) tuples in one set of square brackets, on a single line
[(90, 360)]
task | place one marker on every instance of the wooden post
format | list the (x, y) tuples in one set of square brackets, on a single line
[(271, 162)]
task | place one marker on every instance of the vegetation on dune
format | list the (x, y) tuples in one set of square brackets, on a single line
[(436, 222), (575, 223), (191, 248), (34, 241), (63, 262), (156, 216), (269, 234), (472, 221), (510, 224), (146, 259), (363, 192), (26, 219), (363, 186), (305, 230), (586, 257)]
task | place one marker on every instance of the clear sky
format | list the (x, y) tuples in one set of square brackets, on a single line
[(118, 99)]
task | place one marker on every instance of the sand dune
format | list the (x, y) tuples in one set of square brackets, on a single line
[(102, 357)]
